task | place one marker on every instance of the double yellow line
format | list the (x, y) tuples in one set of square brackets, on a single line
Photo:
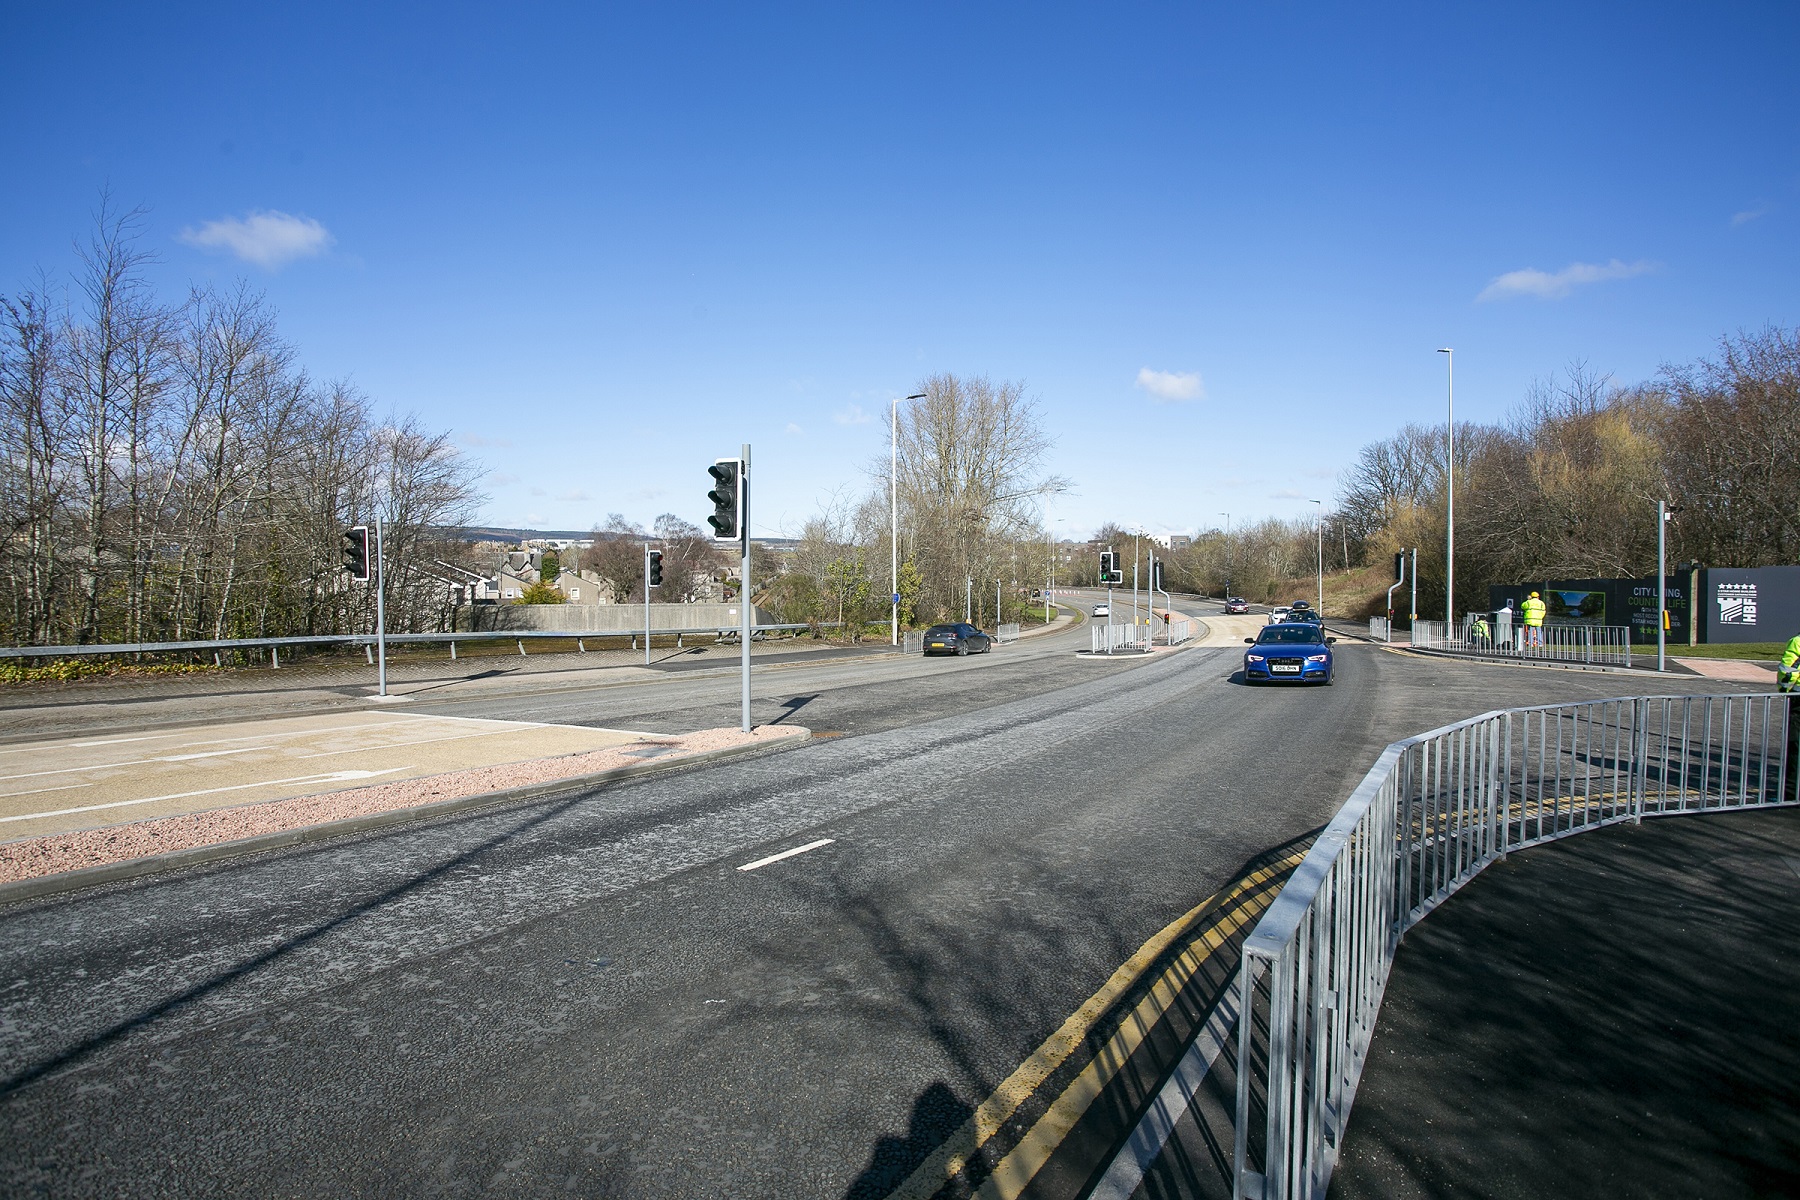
[(1233, 909)]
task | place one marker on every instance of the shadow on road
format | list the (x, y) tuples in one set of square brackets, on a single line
[(1608, 1015), (12, 1085)]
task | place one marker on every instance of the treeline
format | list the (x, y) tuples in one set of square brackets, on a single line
[(970, 487), (1568, 487), (169, 471)]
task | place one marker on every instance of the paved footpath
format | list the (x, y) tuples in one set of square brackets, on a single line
[(1610, 1015)]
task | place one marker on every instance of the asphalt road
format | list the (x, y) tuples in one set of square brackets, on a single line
[(588, 996)]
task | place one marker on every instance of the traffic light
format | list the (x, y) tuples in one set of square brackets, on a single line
[(727, 498), (1110, 572), (1156, 581), (356, 553), (656, 568)]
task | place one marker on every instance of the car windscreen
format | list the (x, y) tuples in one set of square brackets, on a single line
[(1298, 635), (939, 631)]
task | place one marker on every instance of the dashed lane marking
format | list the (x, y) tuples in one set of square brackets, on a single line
[(775, 858)]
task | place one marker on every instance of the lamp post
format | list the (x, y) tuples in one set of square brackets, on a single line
[(894, 509), (1321, 530), (1230, 555), (1449, 487), (1662, 586)]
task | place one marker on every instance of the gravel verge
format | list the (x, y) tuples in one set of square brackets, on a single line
[(84, 851)]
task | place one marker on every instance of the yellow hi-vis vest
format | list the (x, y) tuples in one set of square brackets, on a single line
[(1787, 675), (1534, 611)]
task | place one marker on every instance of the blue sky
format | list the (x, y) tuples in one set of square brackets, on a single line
[(1220, 244)]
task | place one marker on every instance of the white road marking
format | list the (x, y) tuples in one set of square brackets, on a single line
[(329, 777), (453, 737), (1141, 1150), (39, 749), (67, 787), (140, 762), (775, 858), (210, 754)]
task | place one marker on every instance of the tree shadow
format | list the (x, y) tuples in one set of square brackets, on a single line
[(13, 1084)]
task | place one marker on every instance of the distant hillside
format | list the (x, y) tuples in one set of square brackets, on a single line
[(496, 533)]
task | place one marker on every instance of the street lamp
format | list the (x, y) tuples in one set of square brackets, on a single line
[(1450, 488), (1321, 528), (894, 508), (1230, 554)]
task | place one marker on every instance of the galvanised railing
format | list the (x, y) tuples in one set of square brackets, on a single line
[(1107, 638), (1433, 811), (1605, 644), (1380, 629), (274, 645)]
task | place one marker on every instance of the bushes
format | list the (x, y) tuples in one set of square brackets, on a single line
[(67, 670)]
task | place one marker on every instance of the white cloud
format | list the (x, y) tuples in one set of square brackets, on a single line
[(502, 479), (478, 441), (1284, 494), (853, 415), (269, 239), (575, 496), (1170, 387), (1751, 214), (1554, 286), (793, 428), (538, 519)]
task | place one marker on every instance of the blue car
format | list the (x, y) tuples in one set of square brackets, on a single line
[(1292, 652)]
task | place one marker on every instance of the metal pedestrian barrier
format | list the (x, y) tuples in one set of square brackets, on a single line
[(1008, 632), (1107, 638), (1177, 630), (1604, 644), (1432, 813), (1380, 630)]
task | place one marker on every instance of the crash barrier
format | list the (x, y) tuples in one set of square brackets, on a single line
[(1007, 633), (1380, 629), (274, 645), (1604, 644), (1107, 638), (913, 641), (1433, 811)]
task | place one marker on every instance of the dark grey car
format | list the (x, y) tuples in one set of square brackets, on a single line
[(957, 639)]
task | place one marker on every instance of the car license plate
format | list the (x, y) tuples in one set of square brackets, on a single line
[(937, 645), (1285, 668)]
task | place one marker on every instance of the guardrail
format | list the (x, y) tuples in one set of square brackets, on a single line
[(367, 640), (1177, 631), (1380, 629), (1607, 644), (1107, 638), (1007, 633), (1432, 813)]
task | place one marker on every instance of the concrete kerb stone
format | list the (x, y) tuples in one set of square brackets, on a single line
[(174, 860)]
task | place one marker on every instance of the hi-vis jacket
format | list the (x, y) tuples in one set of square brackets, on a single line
[(1787, 675), (1534, 611)]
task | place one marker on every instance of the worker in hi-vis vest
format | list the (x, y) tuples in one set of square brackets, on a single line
[(1533, 609), (1787, 673), (1787, 679)]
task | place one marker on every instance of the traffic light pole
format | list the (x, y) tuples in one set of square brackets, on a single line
[(745, 604), (646, 604), (380, 611)]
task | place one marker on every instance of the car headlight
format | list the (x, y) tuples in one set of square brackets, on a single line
[(1318, 658), (1253, 658)]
